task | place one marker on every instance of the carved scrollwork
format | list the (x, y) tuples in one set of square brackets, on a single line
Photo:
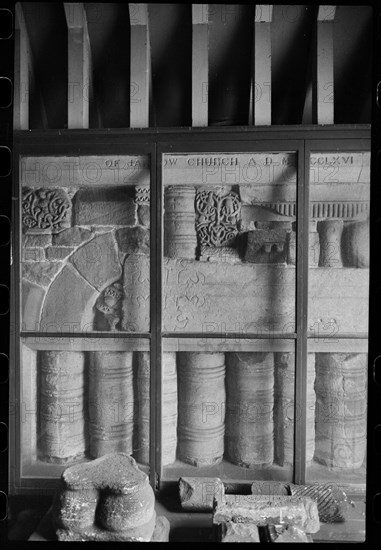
[(217, 217), (45, 208)]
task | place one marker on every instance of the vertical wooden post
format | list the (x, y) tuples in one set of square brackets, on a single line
[(262, 66), (21, 79), (323, 105), (78, 66), (200, 69), (140, 66)]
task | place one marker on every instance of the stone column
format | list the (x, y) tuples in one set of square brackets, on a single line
[(142, 422), (180, 240), (330, 232), (311, 405), (341, 401), (201, 407), (61, 436), (169, 409), (111, 402), (284, 404), (249, 408)]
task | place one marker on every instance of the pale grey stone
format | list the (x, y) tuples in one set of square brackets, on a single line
[(133, 240), (57, 253), (39, 239), (73, 236), (198, 493), (106, 206), (40, 273)]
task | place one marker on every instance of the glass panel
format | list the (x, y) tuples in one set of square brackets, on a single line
[(85, 243), (82, 399), (229, 243), (228, 408)]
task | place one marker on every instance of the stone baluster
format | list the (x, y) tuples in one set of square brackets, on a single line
[(330, 232), (111, 402), (142, 422), (180, 240), (169, 409), (284, 403), (311, 405), (61, 430), (356, 243), (340, 387), (249, 408), (201, 407), (313, 246)]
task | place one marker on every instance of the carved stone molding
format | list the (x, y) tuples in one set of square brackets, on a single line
[(142, 194), (217, 216), (45, 209)]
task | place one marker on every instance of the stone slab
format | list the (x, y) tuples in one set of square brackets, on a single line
[(198, 493), (42, 239), (133, 240), (260, 510), (110, 206), (32, 299), (73, 236), (57, 253), (98, 262), (40, 273)]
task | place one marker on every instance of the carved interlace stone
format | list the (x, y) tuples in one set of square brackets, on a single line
[(45, 208), (217, 217)]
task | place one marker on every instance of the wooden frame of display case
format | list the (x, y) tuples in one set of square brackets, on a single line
[(28, 478)]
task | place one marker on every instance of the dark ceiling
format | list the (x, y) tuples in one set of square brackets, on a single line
[(230, 62)]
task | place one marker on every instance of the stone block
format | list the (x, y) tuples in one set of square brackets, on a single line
[(169, 408), (107, 206), (48, 208), (144, 214), (332, 502), (266, 246), (57, 253), (330, 232), (108, 498), (37, 240), (136, 289), (68, 303), (97, 261), (161, 531), (238, 532), (260, 510), (33, 255), (355, 244), (73, 236), (108, 308), (198, 493), (41, 273), (133, 240), (32, 299)]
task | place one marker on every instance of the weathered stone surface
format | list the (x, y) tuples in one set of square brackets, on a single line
[(201, 407), (161, 531), (136, 289), (290, 534), (42, 239), (144, 215), (330, 232), (108, 308), (260, 510), (169, 409), (45, 208), (61, 434), (97, 261), (68, 304), (33, 254), (222, 254), (106, 499), (249, 408), (198, 493), (269, 488), (179, 222), (57, 253), (106, 206), (110, 402), (133, 240), (41, 273), (32, 299), (331, 500), (311, 404), (355, 244), (266, 246), (238, 532), (284, 405), (141, 435), (217, 216), (73, 236), (217, 297), (341, 406)]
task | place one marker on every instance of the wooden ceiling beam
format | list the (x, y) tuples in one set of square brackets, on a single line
[(140, 66), (323, 85), (261, 86), (79, 66), (200, 68)]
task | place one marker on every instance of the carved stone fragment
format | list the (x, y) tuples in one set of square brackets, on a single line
[(142, 199), (133, 240), (331, 500), (260, 510), (108, 308), (341, 407), (330, 232), (201, 390), (222, 254), (356, 243), (169, 408), (106, 206), (198, 493), (74, 236), (179, 222), (61, 436), (266, 246), (45, 209), (284, 404), (217, 216), (110, 402), (136, 291), (106, 499), (249, 408), (142, 421), (238, 532)]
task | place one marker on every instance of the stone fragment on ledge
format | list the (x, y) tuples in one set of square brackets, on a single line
[(260, 510), (198, 493), (266, 246), (332, 502), (107, 499), (238, 532), (222, 254)]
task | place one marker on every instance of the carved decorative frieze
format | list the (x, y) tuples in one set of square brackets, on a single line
[(217, 216), (45, 209), (108, 307), (142, 194)]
